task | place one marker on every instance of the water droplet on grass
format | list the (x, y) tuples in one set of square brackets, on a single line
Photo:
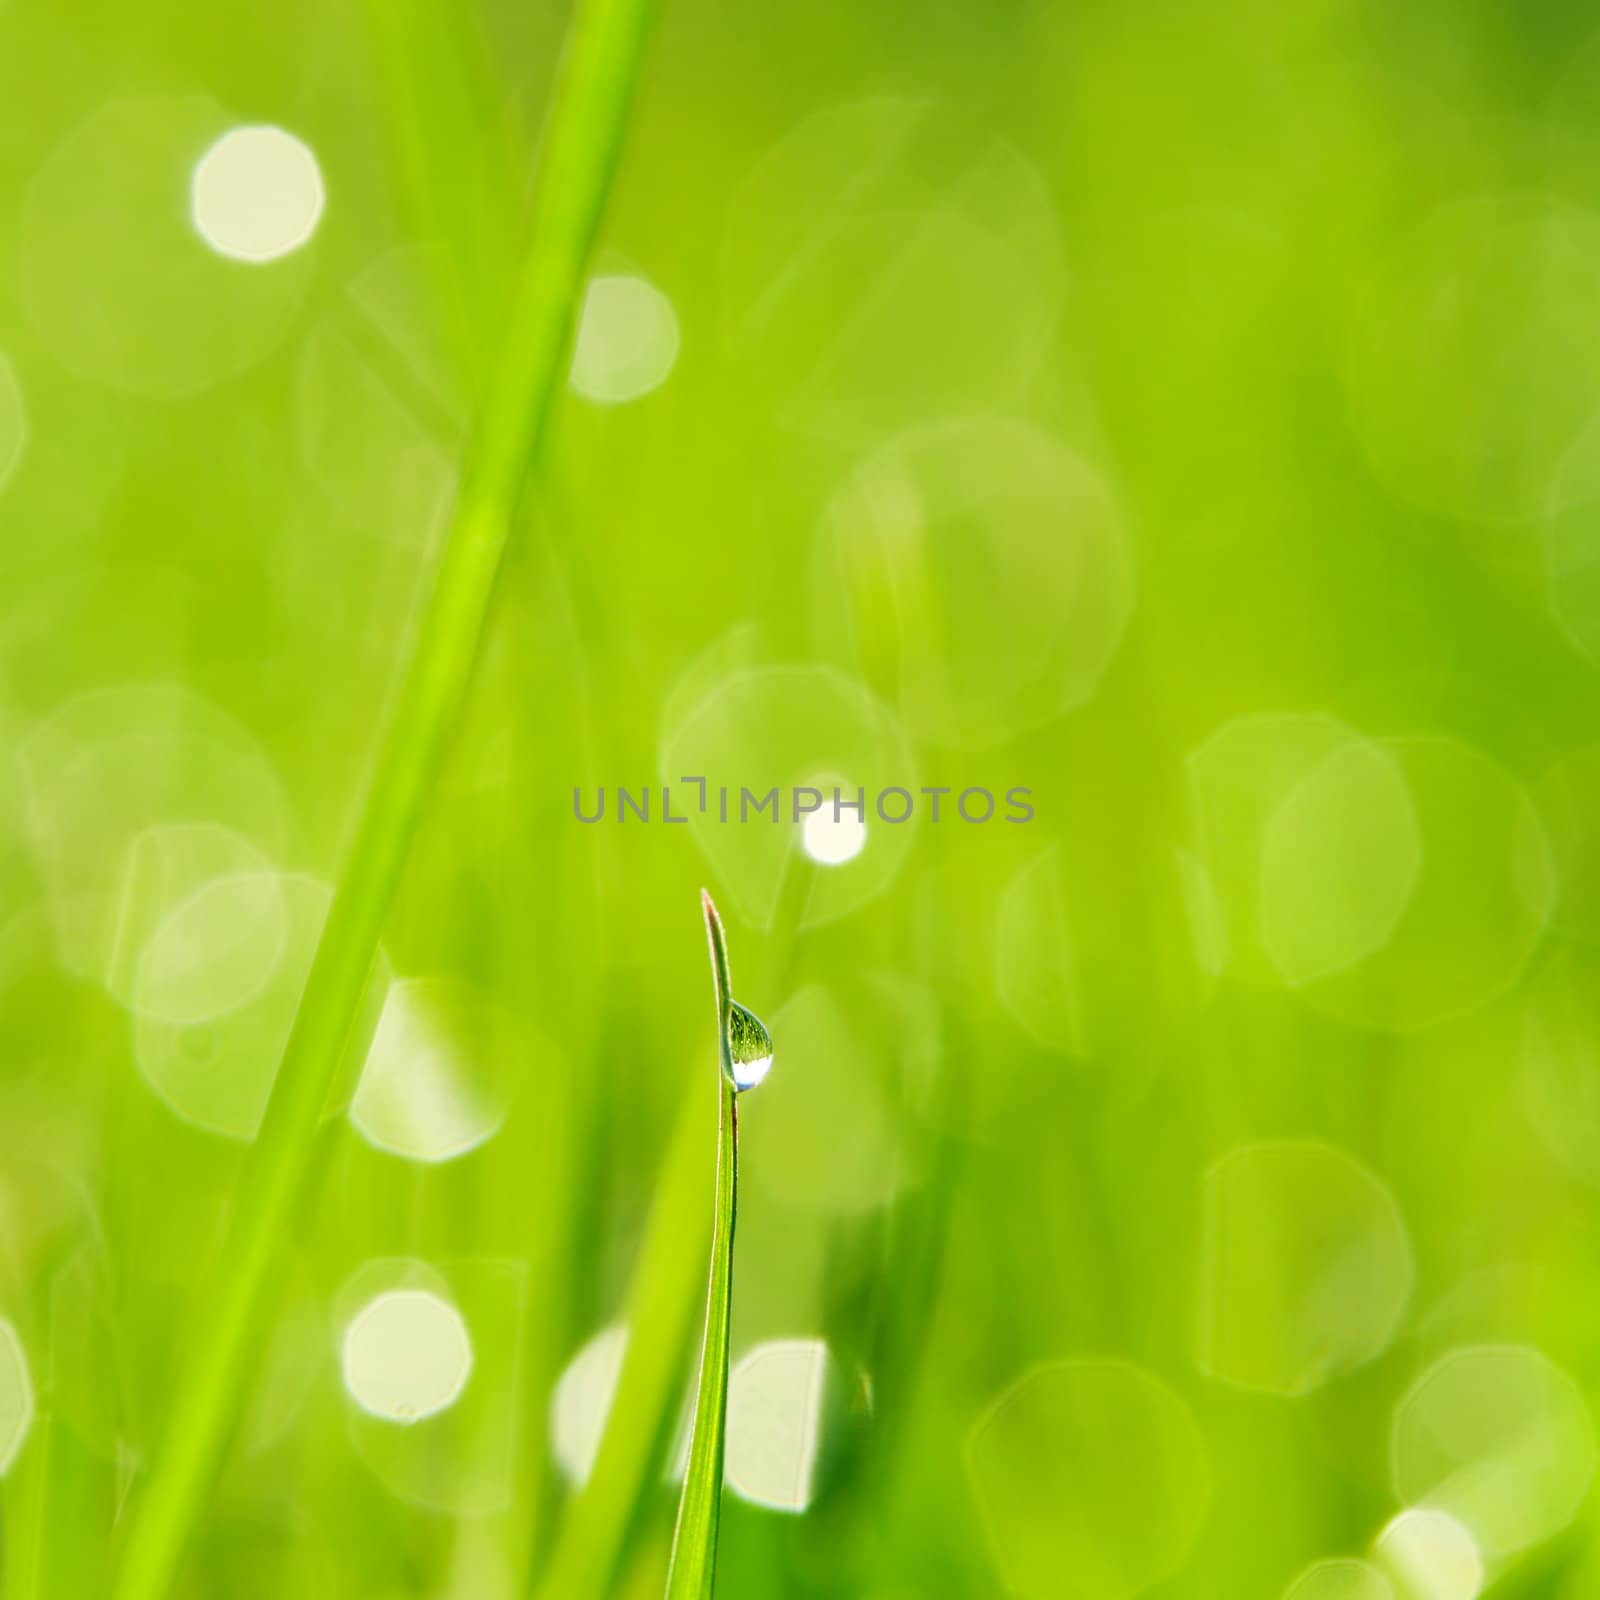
[(749, 1046)]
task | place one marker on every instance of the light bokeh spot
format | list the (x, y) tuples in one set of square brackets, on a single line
[(580, 1404), (1396, 882), (627, 341), (982, 566), (1482, 900), (832, 839), (440, 1345), (13, 420), (1560, 1064), (1341, 1579), (760, 729), (441, 1072), (1306, 1267), (887, 263), (104, 777), (1340, 858), (1035, 964), (213, 1016), (1236, 779), (406, 1355), (379, 411), (257, 194), (1475, 363), (116, 280), (1430, 1556), (1499, 1437), (237, 952), (778, 1399), (216, 948), (16, 1397), (1092, 1479)]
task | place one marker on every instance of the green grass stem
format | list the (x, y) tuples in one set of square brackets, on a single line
[(692, 1574), (577, 164)]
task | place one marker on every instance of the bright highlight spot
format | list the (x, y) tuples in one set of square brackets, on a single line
[(831, 841), (406, 1356), (1431, 1557), (582, 1402), (257, 194), (16, 1397), (776, 1401), (439, 1077), (789, 724), (627, 340)]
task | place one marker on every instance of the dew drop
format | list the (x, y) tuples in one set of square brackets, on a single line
[(749, 1046)]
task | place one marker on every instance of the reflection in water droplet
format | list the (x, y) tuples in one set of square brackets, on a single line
[(749, 1046)]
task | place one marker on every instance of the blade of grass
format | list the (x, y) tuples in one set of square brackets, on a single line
[(453, 148), (662, 1299), (661, 1305), (692, 1573), (577, 164)]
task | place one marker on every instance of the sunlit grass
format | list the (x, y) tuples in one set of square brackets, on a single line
[(744, 1056), (1187, 414), (585, 132)]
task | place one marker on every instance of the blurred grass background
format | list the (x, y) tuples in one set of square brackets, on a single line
[(1189, 413)]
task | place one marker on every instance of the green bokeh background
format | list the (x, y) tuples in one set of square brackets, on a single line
[(1190, 413)]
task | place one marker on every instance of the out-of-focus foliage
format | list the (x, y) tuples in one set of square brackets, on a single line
[(1189, 414)]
